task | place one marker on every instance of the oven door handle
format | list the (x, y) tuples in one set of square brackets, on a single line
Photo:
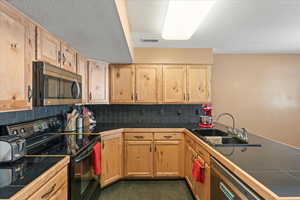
[(84, 156)]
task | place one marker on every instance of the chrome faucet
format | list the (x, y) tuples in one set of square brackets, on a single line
[(228, 114)]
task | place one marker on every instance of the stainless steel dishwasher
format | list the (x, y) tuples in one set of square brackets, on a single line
[(226, 186)]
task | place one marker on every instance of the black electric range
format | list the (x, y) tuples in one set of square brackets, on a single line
[(48, 137)]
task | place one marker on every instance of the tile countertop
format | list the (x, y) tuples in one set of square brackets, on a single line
[(17, 175), (274, 165)]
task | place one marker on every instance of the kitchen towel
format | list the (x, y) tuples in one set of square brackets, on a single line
[(198, 171), (96, 159)]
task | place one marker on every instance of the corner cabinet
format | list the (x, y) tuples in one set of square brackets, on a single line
[(17, 53), (98, 82), (122, 83), (111, 158)]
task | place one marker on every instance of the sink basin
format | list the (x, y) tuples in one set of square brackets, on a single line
[(228, 141), (209, 132)]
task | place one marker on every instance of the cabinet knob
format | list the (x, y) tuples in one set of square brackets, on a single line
[(29, 94), (13, 45)]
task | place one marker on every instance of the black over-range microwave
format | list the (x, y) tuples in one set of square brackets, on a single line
[(53, 85)]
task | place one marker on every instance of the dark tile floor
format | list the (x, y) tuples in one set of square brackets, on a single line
[(146, 190)]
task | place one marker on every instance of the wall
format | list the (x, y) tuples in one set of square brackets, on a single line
[(262, 91), (35, 113), (146, 113), (173, 55)]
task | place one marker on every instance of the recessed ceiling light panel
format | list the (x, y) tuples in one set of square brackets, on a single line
[(183, 18)]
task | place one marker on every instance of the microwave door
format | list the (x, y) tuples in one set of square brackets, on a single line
[(70, 91)]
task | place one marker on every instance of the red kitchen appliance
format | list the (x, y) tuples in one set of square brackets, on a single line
[(206, 120)]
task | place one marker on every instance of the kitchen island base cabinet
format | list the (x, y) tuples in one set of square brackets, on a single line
[(168, 159), (139, 159), (111, 158)]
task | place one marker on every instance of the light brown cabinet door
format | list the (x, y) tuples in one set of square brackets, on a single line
[(199, 83), (68, 58), (189, 153), (139, 158), (148, 83), (168, 157), (16, 47), (174, 83), (98, 82), (122, 83), (48, 47), (111, 158), (82, 70)]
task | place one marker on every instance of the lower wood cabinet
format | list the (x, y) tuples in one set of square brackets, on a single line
[(111, 158), (158, 156), (189, 156), (139, 159), (168, 158)]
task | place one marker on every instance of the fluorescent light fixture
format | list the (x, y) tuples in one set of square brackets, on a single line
[(183, 18)]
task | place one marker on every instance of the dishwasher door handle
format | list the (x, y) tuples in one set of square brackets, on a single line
[(226, 191)]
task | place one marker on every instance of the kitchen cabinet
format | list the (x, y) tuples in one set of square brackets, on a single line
[(168, 158), (68, 57), (198, 84), (98, 82), (17, 47), (82, 70), (139, 159), (122, 83), (174, 83), (148, 83), (48, 47), (111, 158), (189, 157)]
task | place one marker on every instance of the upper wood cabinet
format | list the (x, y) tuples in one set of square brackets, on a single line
[(111, 158), (48, 47), (68, 57), (122, 83), (138, 158), (168, 158), (83, 71), (147, 83), (17, 53), (198, 83), (98, 82), (174, 83)]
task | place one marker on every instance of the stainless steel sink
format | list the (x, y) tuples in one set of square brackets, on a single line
[(228, 141), (209, 132)]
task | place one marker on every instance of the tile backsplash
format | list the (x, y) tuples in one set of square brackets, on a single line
[(175, 113), (35, 113)]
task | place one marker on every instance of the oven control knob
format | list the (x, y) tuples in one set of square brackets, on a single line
[(22, 130), (15, 132)]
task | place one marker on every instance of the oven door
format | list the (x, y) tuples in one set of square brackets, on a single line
[(83, 182)]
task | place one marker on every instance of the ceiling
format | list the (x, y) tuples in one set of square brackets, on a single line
[(232, 26), (92, 27)]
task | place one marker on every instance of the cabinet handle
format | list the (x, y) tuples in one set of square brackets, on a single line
[(150, 148), (168, 136), (29, 93), (59, 56), (188, 96), (136, 96), (132, 97), (64, 58), (103, 145), (90, 95), (13, 45), (47, 194), (139, 137)]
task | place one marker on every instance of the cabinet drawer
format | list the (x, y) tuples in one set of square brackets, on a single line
[(49, 189), (202, 153), (138, 136), (168, 136)]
